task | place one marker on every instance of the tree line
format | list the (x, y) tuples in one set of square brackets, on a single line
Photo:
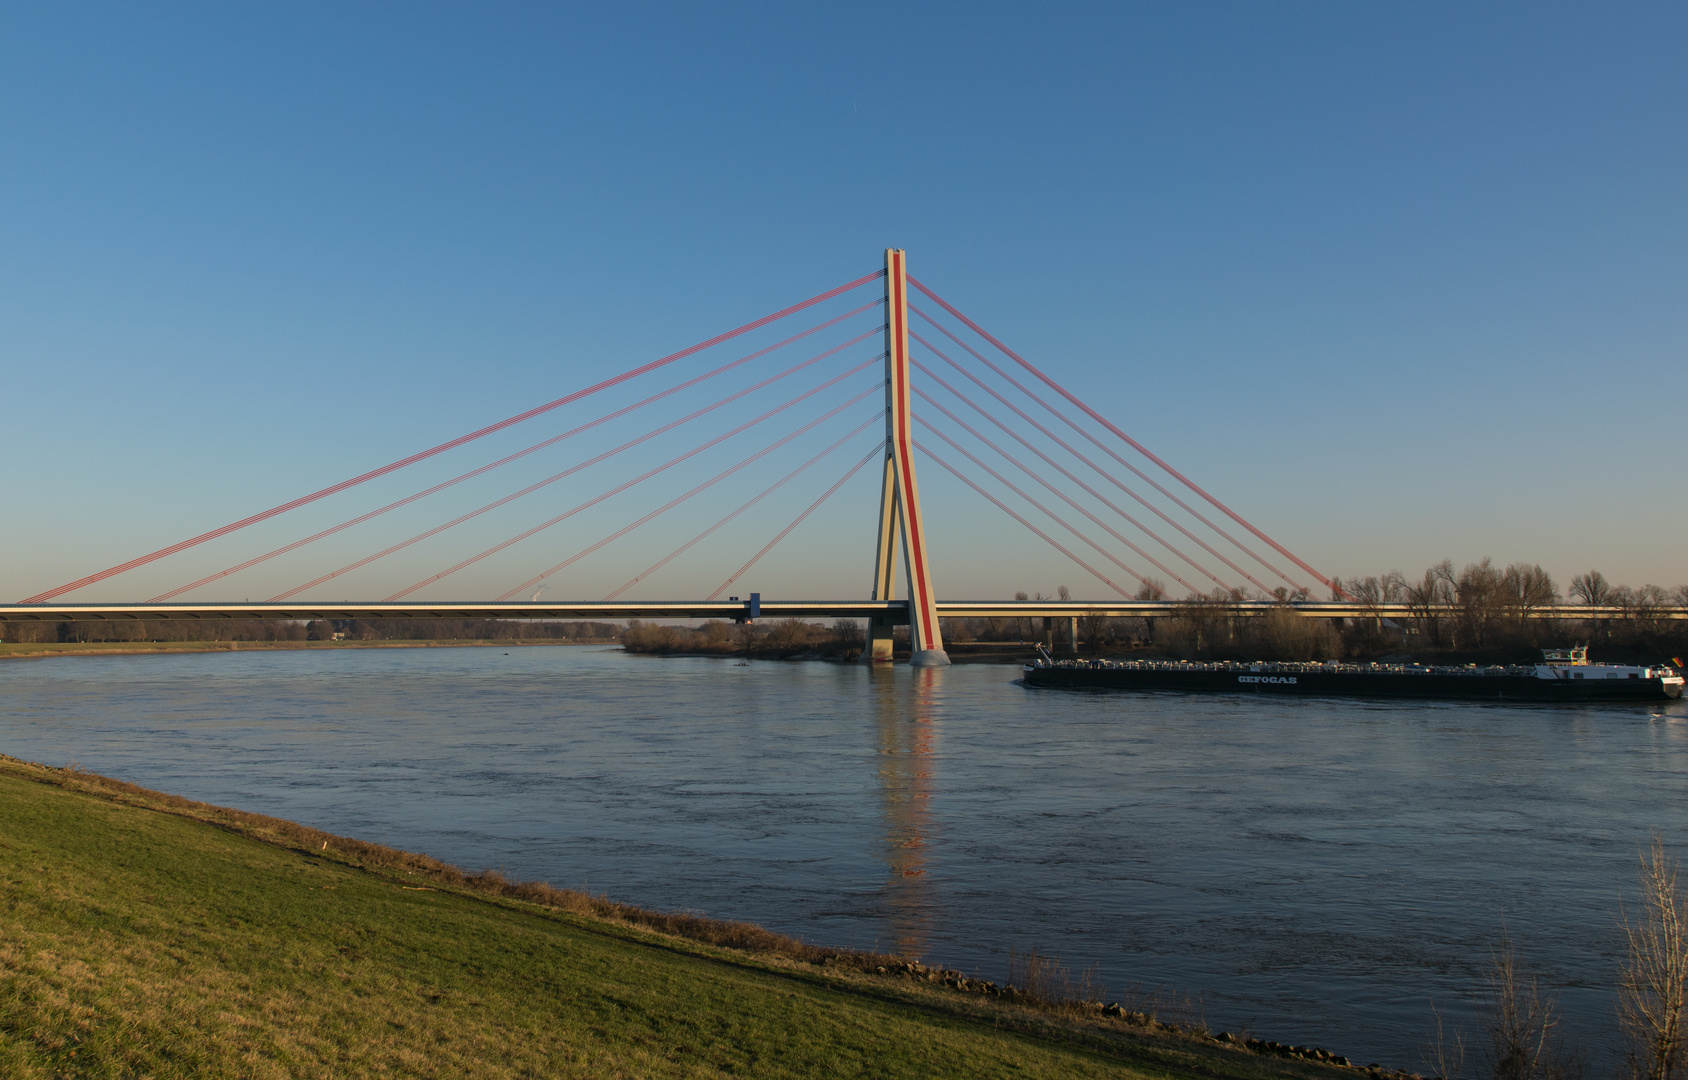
[(1479, 613), (774, 639), (1486, 611)]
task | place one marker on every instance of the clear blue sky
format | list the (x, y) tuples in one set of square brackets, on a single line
[(1398, 283)]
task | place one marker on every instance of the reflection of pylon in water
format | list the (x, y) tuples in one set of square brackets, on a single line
[(907, 747)]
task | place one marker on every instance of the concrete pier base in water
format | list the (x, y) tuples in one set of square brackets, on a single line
[(930, 658), (878, 642)]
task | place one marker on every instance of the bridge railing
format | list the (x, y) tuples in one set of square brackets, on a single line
[(895, 611)]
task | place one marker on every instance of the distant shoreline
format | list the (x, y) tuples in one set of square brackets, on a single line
[(46, 649), (961, 654)]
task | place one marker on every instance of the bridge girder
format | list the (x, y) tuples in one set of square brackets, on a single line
[(895, 612)]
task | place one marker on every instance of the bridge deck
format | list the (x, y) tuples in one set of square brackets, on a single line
[(613, 611)]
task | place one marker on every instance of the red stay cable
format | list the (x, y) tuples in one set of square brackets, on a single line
[(183, 545), (769, 490), (671, 504), (641, 478), (1057, 492), (1058, 441), (1133, 443), (606, 418), (570, 471), (798, 520), (1004, 481), (1000, 505), (1106, 449)]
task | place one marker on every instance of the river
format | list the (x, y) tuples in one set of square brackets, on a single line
[(1315, 870)]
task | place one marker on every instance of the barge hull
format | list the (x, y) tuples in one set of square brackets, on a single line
[(1474, 687)]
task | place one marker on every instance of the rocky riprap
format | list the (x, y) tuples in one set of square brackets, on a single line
[(1113, 1010)]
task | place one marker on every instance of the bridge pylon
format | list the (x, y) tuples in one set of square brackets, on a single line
[(899, 500)]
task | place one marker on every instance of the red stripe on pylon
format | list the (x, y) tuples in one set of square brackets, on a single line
[(920, 586)]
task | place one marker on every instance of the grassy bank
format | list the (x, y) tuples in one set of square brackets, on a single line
[(30, 649), (143, 935)]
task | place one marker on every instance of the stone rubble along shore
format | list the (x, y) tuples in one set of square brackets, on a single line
[(956, 980)]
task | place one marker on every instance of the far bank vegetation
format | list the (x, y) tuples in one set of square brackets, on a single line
[(775, 639), (1482, 613)]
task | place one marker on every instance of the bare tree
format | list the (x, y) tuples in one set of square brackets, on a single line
[(1524, 1041), (1623, 598), (1653, 986), (1284, 634), (788, 635), (1433, 592), (1394, 585), (1481, 600), (1047, 981), (1527, 589), (1093, 629), (848, 635), (1373, 593), (1151, 591), (1366, 634), (1203, 625), (959, 631), (1444, 1056), (1591, 588), (1645, 608)]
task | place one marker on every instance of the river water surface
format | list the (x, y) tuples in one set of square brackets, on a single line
[(1317, 870)]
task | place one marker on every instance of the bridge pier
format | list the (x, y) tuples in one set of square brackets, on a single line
[(1072, 633), (878, 649)]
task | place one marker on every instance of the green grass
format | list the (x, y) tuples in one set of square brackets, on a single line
[(146, 936)]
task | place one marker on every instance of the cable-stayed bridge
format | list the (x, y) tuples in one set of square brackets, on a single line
[(878, 376)]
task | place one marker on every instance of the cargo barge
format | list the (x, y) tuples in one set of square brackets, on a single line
[(1563, 675)]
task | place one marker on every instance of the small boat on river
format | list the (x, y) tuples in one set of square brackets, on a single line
[(1562, 675)]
